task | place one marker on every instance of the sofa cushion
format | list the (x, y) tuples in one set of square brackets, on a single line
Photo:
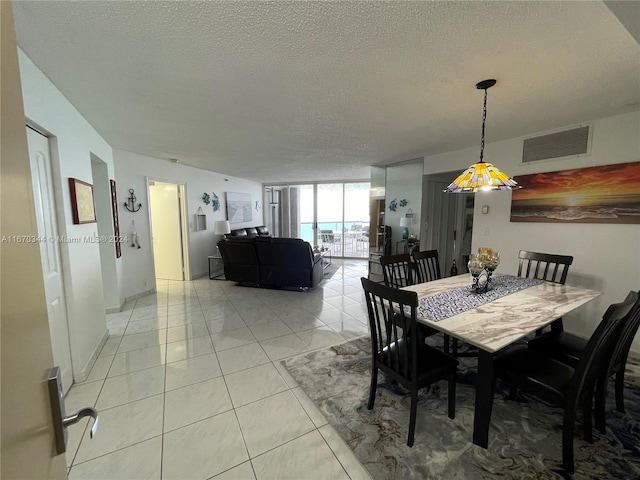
[(263, 231), (238, 232), (251, 231)]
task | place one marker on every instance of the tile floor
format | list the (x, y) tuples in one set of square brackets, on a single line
[(189, 384)]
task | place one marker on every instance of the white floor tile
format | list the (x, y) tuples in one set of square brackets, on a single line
[(333, 316), (231, 322), (191, 305), (194, 316), (320, 337), (241, 358), (254, 384), (203, 449), (135, 360), (175, 413), (110, 347), (283, 347), (219, 309), (314, 414), (243, 471), (146, 325), (189, 330), (192, 370), (345, 455), (302, 321), (195, 402), (349, 329), (189, 347), (138, 341), (232, 339), (148, 312), (272, 421), (140, 461), (156, 300), (263, 331), (131, 387), (122, 427), (82, 395), (307, 457), (100, 368)]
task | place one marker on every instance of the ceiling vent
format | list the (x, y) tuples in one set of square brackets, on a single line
[(573, 142)]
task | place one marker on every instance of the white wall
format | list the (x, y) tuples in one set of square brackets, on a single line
[(606, 257), (75, 141), (132, 171)]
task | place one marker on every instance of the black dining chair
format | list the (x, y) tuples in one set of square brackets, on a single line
[(557, 383), (398, 353), (569, 348), (545, 266), (427, 265), (397, 270)]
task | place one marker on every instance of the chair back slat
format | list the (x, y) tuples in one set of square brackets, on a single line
[(427, 265), (397, 270), (392, 319), (544, 266), (623, 345), (600, 346)]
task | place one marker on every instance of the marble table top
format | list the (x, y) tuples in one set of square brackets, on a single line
[(501, 322)]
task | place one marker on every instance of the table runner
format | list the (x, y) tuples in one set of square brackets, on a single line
[(447, 304)]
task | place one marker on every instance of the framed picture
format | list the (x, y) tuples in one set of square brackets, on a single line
[(82, 206), (239, 208), (116, 222), (603, 194)]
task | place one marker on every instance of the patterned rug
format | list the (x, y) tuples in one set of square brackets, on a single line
[(524, 437)]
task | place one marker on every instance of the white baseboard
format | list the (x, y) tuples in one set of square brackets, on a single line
[(92, 360)]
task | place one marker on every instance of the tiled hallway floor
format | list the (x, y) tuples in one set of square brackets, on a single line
[(189, 384)]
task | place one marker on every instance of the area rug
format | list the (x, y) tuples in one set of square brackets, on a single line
[(524, 437)]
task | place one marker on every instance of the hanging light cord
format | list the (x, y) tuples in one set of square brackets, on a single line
[(484, 118)]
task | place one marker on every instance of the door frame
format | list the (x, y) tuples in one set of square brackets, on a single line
[(184, 224), (55, 206)]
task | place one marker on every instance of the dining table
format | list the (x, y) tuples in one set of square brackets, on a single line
[(511, 308)]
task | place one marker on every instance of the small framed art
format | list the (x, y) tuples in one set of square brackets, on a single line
[(82, 206)]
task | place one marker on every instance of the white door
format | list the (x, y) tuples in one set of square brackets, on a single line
[(50, 253), (166, 230)]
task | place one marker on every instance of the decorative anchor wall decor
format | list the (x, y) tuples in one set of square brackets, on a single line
[(130, 204)]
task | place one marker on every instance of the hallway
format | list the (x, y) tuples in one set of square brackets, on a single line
[(189, 384)]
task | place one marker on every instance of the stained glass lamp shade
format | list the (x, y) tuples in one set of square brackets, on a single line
[(482, 176)]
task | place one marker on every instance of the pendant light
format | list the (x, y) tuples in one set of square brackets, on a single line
[(482, 176)]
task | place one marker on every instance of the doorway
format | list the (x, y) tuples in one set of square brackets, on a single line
[(168, 230), (52, 274)]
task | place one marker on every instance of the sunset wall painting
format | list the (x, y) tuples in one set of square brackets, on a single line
[(604, 194)]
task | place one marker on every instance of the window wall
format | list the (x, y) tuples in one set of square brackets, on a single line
[(334, 215)]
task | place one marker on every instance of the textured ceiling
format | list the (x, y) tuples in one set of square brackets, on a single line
[(298, 91)]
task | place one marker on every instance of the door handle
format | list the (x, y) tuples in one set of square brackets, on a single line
[(85, 412), (60, 420)]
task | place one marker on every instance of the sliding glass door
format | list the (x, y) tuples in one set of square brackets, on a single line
[(329, 215)]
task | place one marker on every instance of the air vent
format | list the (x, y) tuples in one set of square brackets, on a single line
[(567, 143)]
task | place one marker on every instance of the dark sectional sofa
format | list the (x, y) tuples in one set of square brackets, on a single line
[(270, 262)]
